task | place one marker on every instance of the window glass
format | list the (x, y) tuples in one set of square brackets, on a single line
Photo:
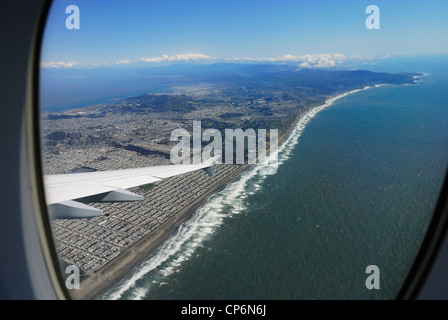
[(321, 126)]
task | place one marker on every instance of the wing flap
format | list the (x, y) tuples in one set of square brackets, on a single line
[(118, 195), (73, 210), (65, 187)]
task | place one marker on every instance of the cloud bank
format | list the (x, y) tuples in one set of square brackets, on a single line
[(59, 64), (123, 62), (305, 61), (177, 57)]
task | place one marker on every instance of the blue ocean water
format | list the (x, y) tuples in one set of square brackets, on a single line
[(356, 186), (62, 89)]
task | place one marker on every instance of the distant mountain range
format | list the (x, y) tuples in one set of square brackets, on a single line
[(244, 80)]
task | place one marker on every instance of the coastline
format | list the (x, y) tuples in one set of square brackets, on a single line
[(115, 270)]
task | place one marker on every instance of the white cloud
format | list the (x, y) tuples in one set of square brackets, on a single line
[(306, 61), (123, 61), (177, 57), (59, 64), (305, 65), (315, 60), (241, 59)]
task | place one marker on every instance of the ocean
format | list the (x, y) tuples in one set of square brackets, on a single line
[(357, 183)]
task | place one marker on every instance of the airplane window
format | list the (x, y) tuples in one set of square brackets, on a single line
[(242, 149)]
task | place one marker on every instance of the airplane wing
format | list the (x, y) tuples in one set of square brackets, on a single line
[(105, 186)]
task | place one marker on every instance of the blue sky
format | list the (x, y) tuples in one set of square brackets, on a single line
[(313, 33)]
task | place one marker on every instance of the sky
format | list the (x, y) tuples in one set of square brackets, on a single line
[(317, 33)]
